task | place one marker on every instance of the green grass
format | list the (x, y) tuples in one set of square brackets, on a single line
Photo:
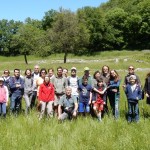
[(26, 132)]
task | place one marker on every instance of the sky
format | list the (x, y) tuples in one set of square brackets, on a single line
[(19, 10)]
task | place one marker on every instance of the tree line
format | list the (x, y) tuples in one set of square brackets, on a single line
[(115, 25)]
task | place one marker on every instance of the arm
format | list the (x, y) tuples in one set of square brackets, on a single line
[(75, 109), (59, 111), (7, 95), (115, 84), (90, 98)]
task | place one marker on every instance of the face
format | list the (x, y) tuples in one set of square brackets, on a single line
[(47, 79), (105, 69), (43, 73), (28, 72), (16, 73), (36, 69), (86, 72), (85, 81), (65, 72), (1, 83), (68, 91), (100, 83), (6, 73), (51, 73), (73, 73), (97, 75), (59, 72), (131, 70), (132, 81), (113, 73)]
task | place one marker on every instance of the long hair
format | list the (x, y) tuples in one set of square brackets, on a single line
[(116, 78), (148, 75)]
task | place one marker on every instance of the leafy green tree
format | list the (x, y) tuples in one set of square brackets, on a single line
[(48, 19), (31, 40), (64, 32)]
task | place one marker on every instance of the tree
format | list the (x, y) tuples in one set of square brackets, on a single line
[(31, 40), (64, 32)]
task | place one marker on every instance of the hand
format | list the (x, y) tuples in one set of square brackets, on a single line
[(124, 86), (114, 90), (6, 104), (93, 102), (101, 92), (18, 85), (89, 102), (75, 113), (146, 95)]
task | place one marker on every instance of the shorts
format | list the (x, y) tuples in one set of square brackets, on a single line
[(99, 106), (84, 107)]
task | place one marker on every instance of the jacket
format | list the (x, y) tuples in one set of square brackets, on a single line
[(133, 96), (3, 94), (46, 92)]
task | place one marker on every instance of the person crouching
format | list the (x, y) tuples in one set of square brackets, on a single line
[(46, 97)]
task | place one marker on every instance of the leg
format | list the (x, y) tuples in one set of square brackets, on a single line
[(4, 109), (34, 95), (50, 109), (87, 108), (27, 101), (63, 116), (43, 105), (136, 112), (81, 108), (116, 106), (18, 104), (130, 112), (0, 109), (12, 103)]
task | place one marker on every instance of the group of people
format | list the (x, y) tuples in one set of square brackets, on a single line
[(67, 96)]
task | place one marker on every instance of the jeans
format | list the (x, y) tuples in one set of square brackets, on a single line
[(114, 103), (84, 107), (3, 109), (133, 111), (28, 98), (15, 102), (34, 95)]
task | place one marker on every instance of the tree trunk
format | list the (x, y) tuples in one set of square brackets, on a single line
[(65, 57), (25, 58)]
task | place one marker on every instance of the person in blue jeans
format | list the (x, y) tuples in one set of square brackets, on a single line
[(114, 93), (134, 94), (85, 96), (16, 87)]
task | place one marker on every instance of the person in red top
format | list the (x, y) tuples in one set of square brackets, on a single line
[(99, 103), (46, 97)]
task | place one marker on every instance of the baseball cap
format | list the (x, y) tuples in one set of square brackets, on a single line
[(132, 77), (86, 69), (73, 68), (1, 79)]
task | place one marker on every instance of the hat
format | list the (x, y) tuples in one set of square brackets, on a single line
[(1, 79), (86, 69), (73, 68), (132, 77)]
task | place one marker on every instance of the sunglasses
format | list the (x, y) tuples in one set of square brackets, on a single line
[(131, 68)]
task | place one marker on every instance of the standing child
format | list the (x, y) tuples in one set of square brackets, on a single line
[(85, 96), (3, 97), (134, 94), (98, 105), (46, 97)]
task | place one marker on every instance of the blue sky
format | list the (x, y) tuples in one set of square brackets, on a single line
[(35, 9)]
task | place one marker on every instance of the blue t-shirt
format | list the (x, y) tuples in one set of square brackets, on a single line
[(84, 92)]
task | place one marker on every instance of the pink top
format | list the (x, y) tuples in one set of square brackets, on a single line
[(3, 94)]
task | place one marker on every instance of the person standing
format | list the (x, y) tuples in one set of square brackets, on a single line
[(68, 105), (3, 97), (17, 89), (28, 89), (73, 82), (98, 104), (35, 76), (46, 97), (134, 94), (60, 83), (147, 88), (51, 73), (131, 71), (114, 93)]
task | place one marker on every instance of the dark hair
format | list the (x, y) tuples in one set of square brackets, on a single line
[(84, 78), (16, 69), (50, 69), (43, 69), (148, 75), (27, 70), (100, 80), (95, 74), (59, 68)]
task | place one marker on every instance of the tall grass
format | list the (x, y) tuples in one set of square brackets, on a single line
[(26, 132)]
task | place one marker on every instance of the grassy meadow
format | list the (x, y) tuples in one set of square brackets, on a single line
[(27, 132)]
